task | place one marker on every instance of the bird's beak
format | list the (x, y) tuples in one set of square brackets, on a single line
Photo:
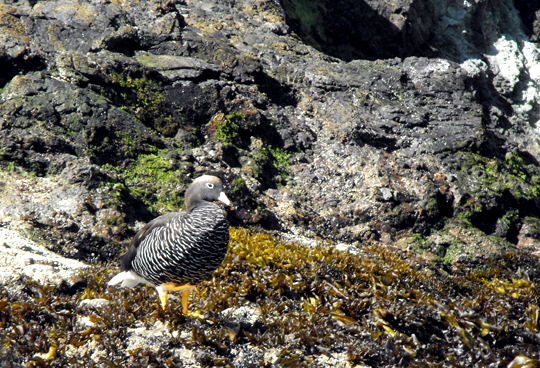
[(223, 199)]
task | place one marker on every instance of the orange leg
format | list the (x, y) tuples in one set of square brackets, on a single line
[(162, 292), (162, 297), (185, 297)]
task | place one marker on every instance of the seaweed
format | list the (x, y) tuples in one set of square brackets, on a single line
[(278, 303)]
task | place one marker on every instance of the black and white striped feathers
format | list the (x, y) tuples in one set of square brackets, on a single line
[(178, 250)]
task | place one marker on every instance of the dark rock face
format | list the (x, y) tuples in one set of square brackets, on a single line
[(529, 12), (363, 29), (374, 29), (121, 104)]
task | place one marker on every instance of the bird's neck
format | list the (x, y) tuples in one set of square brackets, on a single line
[(192, 199), (194, 202)]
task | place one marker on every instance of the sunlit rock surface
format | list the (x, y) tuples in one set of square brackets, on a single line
[(409, 127)]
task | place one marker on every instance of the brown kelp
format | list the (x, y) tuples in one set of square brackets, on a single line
[(371, 307)]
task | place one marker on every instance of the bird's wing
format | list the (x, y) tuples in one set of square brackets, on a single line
[(139, 237)]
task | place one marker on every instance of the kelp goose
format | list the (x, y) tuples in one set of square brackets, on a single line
[(178, 250)]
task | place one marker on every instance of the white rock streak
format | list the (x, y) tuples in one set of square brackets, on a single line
[(21, 256)]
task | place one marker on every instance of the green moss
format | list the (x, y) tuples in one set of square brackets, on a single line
[(157, 179), (229, 130), (7, 166), (142, 95), (265, 162), (282, 160), (419, 243), (238, 185), (450, 254), (493, 188), (495, 175)]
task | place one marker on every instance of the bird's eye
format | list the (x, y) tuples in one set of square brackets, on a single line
[(210, 185)]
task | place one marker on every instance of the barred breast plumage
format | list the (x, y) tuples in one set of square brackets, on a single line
[(178, 250)]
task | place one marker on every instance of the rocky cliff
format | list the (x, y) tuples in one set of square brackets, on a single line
[(108, 110), (405, 125)]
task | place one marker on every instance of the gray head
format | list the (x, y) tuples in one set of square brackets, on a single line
[(205, 188)]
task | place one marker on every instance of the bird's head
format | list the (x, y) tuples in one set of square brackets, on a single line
[(205, 188)]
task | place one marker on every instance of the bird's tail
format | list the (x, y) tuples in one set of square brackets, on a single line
[(127, 278)]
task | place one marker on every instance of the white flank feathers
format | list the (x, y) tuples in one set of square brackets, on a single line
[(128, 279)]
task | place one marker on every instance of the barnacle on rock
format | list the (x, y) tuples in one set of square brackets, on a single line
[(275, 302)]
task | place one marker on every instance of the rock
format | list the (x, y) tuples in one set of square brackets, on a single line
[(94, 303), (529, 234), (373, 29), (109, 111), (177, 68), (244, 315), (21, 256)]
